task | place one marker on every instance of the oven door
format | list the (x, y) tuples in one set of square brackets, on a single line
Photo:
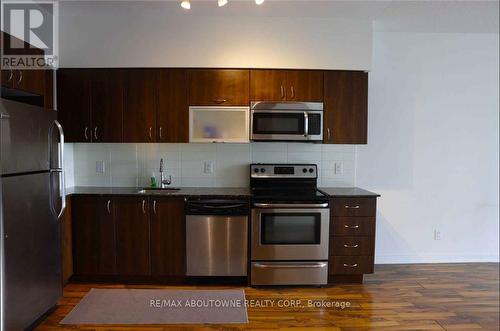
[(287, 125), (288, 233)]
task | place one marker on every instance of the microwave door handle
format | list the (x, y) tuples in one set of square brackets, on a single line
[(306, 124)]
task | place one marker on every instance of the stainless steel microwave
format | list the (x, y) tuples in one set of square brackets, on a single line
[(286, 121)]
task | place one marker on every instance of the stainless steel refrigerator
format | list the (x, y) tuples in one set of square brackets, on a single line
[(31, 200)]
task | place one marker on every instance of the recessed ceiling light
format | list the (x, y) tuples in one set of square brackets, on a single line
[(186, 4), (221, 2), (259, 2)]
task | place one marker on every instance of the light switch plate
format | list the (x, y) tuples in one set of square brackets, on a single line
[(208, 167), (99, 167), (339, 168)]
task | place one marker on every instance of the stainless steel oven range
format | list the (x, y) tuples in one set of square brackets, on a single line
[(289, 226)]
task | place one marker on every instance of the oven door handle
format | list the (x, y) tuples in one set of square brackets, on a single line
[(291, 205), (290, 265)]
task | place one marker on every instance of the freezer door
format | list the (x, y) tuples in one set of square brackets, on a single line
[(25, 138), (32, 276)]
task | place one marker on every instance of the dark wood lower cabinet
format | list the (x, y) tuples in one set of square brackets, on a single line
[(132, 236), (94, 251), (168, 233), (352, 238)]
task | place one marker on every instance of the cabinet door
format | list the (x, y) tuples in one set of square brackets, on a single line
[(94, 250), (214, 87), (73, 104), (32, 81), (168, 233), (304, 85), (346, 107), (139, 115), (132, 236), (106, 105), (173, 109), (267, 85)]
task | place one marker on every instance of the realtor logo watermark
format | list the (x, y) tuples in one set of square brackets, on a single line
[(29, 34)]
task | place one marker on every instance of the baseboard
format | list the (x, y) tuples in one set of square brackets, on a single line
[(438, 258)]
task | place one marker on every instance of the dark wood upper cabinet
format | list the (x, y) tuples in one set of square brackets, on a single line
[(346, 107), (213, 87), (172, 117), (73, 104), (132, 236), (106, 105), (139, 116), (268, 85), (168, 233), (94, 251), (304, 85), (286, 85)]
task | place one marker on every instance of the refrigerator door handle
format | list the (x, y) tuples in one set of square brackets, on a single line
[(60, 170)]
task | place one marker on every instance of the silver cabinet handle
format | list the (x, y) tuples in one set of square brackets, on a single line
[(20, 77), (219, 101), (86, 133), (150, 133), (10, 76), (293, 91), (154, 207), (351, 246), (144, 206), (351, 226), (95, 133), (108, 207), (350, 265), (160, 133), (352, 207), (306, 124), (328, 133), (282, 89)]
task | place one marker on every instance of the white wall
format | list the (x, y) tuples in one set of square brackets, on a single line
[(161, 34), (133, 164), (433, 148)]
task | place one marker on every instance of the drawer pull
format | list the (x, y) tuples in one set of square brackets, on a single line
[(219, 101), (351, 246), (351, 207), (350, 265), (351, 226)]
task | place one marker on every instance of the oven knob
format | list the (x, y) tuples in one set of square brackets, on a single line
[(262, 170), (304, 170), (311, 170), (256, 170)]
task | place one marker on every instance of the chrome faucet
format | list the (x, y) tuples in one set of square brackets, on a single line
[(164, 182)]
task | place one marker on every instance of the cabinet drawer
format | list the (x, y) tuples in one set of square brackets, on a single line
[(351, 246), (354, 206), (352, 226), (350, 265)]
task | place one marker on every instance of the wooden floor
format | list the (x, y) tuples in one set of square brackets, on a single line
[(396, 297)]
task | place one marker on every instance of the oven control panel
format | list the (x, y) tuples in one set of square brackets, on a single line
[(261, 170)]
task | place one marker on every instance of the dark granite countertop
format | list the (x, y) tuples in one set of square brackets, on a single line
[(347, 192), (209, 191), (184, 191)]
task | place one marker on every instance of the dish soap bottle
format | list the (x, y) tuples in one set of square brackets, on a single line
[(153, 181)]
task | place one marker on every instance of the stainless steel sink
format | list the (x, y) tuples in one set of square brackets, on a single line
[(149, 190)]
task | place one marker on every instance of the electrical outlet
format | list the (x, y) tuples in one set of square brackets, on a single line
[(437, 235), (208, 167), (99, 167), (339, 168)]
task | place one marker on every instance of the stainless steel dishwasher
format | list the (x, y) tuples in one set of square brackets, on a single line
[(216, 237)]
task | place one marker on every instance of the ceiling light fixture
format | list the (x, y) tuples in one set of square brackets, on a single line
[(221, 2), (259, 2), (186, 4)]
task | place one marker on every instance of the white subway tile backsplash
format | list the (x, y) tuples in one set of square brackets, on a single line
[(134, 164)]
